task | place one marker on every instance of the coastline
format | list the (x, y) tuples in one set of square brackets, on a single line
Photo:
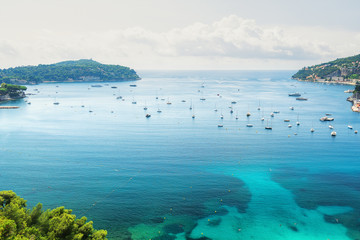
[(355, 101), (352, 83)]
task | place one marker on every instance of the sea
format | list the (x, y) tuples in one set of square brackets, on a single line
[(194, 168)]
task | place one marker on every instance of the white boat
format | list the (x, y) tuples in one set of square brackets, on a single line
[(323, 119), (222, 116), (333, 133), (355, 131), (350, 127), (291, 108), (312, 130), (262, 119), (331, 127), (289, 126), (272, 114)]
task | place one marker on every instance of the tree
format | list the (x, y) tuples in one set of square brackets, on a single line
[(18, 222)]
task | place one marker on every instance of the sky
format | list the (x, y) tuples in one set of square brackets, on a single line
[(180, 34)]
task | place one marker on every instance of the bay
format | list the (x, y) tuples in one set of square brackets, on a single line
[(171, 176)]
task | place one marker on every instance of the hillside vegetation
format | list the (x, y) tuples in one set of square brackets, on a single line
[(17, 222), (68, 71), (342, 69)]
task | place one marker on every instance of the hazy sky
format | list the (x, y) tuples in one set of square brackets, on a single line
[(179, 34)]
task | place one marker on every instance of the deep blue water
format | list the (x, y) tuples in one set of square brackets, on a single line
[(174, 177)]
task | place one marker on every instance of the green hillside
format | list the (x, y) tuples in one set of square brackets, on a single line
[(341, 69), (68, 71)]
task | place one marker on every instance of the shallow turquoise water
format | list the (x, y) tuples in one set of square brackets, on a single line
[(174, 177)]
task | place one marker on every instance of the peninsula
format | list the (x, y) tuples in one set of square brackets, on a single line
[(11, 92), (339, 71), (84, 70)]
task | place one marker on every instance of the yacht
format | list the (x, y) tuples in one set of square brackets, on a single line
[(331, 127), (333, 133), (350, 127), (291, 108), (248, 114), (312, 130)]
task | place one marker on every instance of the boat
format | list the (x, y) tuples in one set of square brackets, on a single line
[(328, 114), (113, 87), (233, 102), (220, 125), (294, 94), (183, 101), (132, 85), (267, 126), (231, 111), (249, 125), (276, 111), (297, 122), (272, 114), (96, 85), (289, 126), (355, 131), (301, 99), (349, 91), (291, 108), (193, 116), (248, 114), (56, 103), (222, 116), (350, 127), (323, 119), (145, 108), (133, 102), (312, 130), (159, 111), (202, 99), (333, 133), (236, 117), (119, 97), (286, 120), (262, 119), (147, 115), (331, 127)]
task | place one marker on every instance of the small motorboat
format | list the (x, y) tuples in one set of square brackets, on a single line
[(333, 133)]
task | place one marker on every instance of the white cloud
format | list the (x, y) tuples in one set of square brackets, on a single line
[(223, 44)]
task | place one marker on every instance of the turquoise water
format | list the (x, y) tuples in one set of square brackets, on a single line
[(174, 177)]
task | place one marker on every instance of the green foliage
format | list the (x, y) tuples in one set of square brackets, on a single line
[(14, 91), (333, 68), (64, 71), (18, 222)]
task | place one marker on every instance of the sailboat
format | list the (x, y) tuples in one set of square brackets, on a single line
[(56, 102), (191, 107), (259, 106), (297, 122), (267, 126)]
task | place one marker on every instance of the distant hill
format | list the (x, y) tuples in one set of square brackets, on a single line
[(341, 70), (83, 70)]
